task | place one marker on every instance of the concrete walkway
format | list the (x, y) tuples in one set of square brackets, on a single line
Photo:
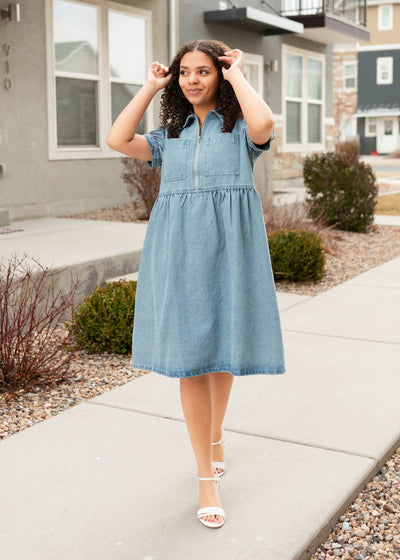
[(114, 478)]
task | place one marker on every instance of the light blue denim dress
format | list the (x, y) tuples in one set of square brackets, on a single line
[(205, 297)]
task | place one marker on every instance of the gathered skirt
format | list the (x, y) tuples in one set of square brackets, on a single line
[(205, 296)]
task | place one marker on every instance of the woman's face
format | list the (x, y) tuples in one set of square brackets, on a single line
[(198, 79)]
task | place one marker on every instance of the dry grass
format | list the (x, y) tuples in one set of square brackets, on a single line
[(388, 204)]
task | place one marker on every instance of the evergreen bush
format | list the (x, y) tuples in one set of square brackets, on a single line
[(104, 321), (296, 255), (341, 191)]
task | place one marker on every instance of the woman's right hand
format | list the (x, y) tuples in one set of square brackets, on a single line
[(158, 75)]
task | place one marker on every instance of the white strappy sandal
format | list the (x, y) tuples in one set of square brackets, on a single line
[(219, 464), (210, 510)]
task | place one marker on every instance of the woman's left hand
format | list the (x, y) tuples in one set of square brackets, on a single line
[(235, 60)]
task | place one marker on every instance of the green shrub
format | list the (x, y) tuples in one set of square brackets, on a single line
[(104, 321), (341, 191), (296, 255)]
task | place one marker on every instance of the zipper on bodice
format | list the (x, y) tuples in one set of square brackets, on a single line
[(196, 178)]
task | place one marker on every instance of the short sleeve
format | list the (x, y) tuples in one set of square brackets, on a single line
[(255, 150), (156, 140)]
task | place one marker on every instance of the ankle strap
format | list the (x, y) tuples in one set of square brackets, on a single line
[(208, 478)]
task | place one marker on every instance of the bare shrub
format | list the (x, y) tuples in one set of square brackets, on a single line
[(31, 308), (141, 179), (294, 216), (286, 216), (348, 148)]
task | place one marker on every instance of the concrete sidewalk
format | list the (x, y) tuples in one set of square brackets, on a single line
[(114, 478)]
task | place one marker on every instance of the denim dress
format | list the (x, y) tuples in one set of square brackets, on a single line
[(205, 295)]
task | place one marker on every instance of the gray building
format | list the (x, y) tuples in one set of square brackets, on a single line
[(70, 67)]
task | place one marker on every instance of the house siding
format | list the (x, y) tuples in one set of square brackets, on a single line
[(368, 89), (33, 185)]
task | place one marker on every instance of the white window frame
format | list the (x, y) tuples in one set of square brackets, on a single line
[(304, 145), (380, 61), (354, 65), (381, 26), (256, 61), (367, 130), (104, 91)]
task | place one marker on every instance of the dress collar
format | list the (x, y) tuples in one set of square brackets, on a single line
[(192, 116)]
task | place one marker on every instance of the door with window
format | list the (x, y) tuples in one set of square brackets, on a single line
[(387, 135)]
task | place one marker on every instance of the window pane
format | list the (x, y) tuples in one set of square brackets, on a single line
[(76, 112), (76, 41), (293, 121), (251, 71), (314, 79), (388, 127), (385, 15), (121, 94), (293, 75), (127, 47), (314, 122)]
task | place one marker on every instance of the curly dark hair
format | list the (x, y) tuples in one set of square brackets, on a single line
[(175, 107)]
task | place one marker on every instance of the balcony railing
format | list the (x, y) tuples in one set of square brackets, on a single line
[(353, 11)]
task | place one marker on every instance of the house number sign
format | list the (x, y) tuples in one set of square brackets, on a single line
[(7, 80)]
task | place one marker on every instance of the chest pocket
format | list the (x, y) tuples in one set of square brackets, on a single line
[(175, 159), (222, 154)]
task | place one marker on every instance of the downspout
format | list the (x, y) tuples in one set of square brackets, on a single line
[(173, 12)]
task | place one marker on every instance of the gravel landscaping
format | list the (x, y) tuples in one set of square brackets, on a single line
[(370, 527)]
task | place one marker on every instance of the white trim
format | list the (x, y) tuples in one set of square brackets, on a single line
[(257, 61), (380, 2), (380, 26), (386, 47), (378, 113), (380, 61), (303, 146), (103, 79)]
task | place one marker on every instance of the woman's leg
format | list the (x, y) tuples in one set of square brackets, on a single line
[(221, 385), (197, 402)]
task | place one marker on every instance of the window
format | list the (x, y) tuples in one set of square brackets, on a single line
[(388, 127), (98, 57), (350, 75), (385, 17), (254, 70), (370, 126), (384, 70), (304, 99)]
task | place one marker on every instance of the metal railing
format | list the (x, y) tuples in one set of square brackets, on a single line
[(354, 11)]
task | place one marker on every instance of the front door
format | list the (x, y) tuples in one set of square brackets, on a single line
[(387, 134)]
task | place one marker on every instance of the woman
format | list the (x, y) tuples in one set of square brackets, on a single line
[(206, 306)]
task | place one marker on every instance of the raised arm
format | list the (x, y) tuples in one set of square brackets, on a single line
[(256, 112), (122, 136)]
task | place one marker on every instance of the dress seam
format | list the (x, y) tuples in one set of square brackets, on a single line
[(213, 189)]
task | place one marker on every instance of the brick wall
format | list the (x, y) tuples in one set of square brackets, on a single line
[(344, 100)]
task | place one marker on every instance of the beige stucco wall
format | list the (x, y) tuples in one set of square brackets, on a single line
[(382, 37), (33, 186)]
